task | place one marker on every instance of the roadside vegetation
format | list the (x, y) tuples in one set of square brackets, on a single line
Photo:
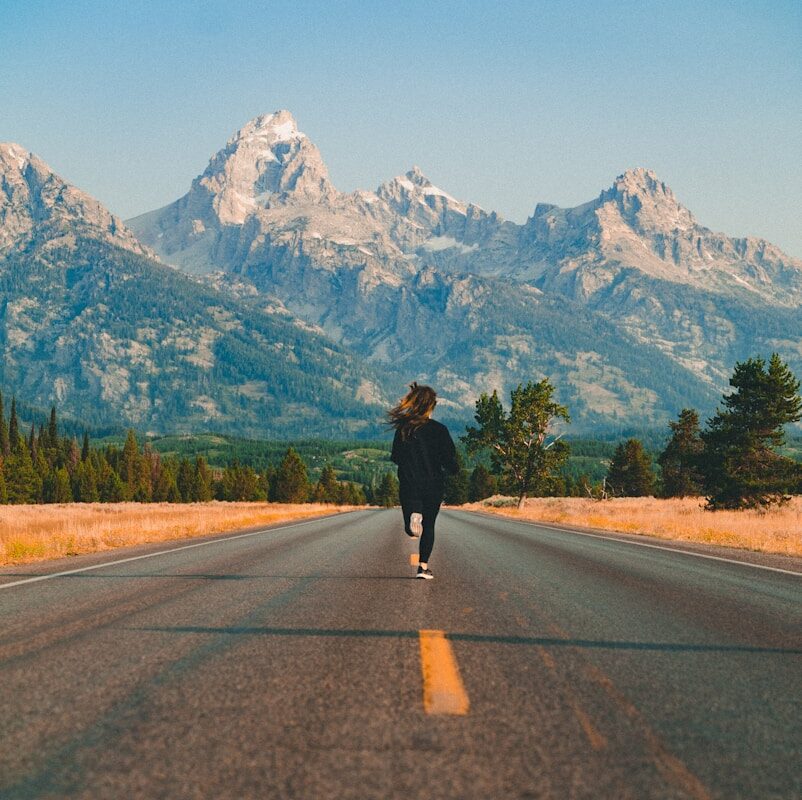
[(773, 530), (36, 532), (739, 462)]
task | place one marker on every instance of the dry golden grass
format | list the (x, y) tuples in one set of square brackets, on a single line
[(35, 532), (776, 531)]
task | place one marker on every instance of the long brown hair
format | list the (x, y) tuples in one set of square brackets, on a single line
[(413, 409)]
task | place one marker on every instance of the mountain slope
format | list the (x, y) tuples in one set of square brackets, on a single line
[(89, 321), (630, 306)]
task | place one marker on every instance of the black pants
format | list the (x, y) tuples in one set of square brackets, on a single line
[(424, 499)]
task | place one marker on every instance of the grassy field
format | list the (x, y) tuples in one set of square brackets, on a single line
[(776, 531), (36, 532)]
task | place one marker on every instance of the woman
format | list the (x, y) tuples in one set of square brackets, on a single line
[(424, 452)]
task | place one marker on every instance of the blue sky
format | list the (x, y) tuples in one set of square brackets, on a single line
[(503, 104)]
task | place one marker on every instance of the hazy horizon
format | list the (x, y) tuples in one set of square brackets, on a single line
[(503, 107)]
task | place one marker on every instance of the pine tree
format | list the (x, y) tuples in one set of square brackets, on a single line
[(680, 460), (52, 428), (23, 484), (85, 447), (87, 483), (110, 485), (482, 484), (186, 481), (387, 491), (129, 464), (4, 446), (630, 473), (204, 481), (240, 483), (327, 489), (3, 493), (456, 486), (740, 463), (13, 427), (292, 484), (63, 487)]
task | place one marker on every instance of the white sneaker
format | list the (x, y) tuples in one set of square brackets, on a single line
[(416, 524)]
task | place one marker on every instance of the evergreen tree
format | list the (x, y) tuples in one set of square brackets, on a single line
[(3, 493), (517, 443), (740, 465), (387, 491), (240, 483), (110, 485), (456, 486), (327, 489), (204, 481), (292, 484), (679, 461), (85, 447), (13, 427), (482, 484), (129, 464), (52, 428), (630, 473), (63, 493), (87, 483), (4, 445), (186, 481), (23, 484)]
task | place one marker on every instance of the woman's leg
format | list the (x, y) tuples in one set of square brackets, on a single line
[(407, 497), (431, 506)]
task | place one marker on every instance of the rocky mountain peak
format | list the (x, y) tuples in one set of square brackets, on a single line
[(35, 202), (267, 161), (280, 126), (643, 202)]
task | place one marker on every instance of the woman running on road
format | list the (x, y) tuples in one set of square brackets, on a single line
[(424, 452)]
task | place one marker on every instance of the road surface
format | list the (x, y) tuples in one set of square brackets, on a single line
[(304, 661)]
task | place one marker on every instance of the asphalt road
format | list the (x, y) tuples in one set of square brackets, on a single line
[(290, 663)]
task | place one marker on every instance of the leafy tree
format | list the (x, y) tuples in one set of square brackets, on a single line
[(679, 461), (740, 464), (292, 485), (517, 442), (387, 491), (631, 473), (482, 484), (456, 486)]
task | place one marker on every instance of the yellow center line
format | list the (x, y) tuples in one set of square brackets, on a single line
[(414, 559), (443, 691)]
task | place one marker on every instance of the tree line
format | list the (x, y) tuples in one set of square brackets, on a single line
[(44, 466), (734, 461)]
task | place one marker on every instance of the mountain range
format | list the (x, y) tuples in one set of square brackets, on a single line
[(265, 301)]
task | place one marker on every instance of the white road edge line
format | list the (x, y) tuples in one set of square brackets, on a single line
[(614, 538), (164, 552)]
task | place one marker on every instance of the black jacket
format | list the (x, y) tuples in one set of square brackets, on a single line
[(426, 455)]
